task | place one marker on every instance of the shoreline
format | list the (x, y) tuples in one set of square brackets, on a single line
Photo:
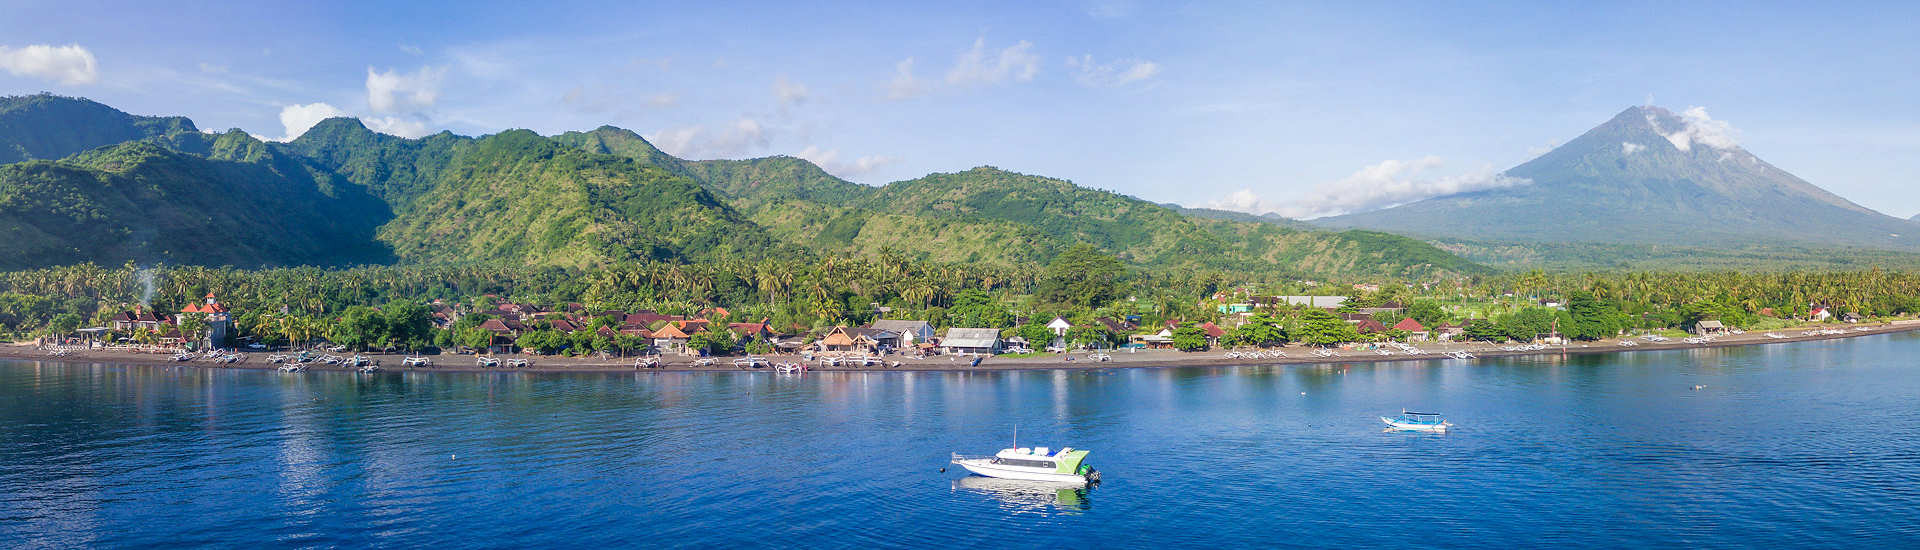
[(1121, 359)]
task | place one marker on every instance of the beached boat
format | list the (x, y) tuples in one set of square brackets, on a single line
[(1067, 465), (1417, 422)]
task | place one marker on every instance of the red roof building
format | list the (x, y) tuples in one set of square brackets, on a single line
[(1409, 325)]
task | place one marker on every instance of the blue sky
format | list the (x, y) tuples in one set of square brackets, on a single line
[(1261, 106)]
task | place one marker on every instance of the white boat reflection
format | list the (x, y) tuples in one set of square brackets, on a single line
[(1017, 494)]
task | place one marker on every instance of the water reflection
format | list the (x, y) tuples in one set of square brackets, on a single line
[(1016, 495)]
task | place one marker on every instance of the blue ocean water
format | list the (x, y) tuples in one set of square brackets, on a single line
[(1790, 445)]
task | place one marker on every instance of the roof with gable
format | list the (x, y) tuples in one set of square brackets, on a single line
[(1409, 325), (1212, 330), (1371, 326), (749, 328), (669, 331), (971, 338)]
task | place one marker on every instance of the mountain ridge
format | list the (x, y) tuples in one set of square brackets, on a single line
[(608, 195), (1647, 176)]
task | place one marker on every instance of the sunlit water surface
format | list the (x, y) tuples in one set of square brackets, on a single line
[(1808, 445)]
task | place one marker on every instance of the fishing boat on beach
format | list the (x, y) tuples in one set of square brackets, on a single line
[(1409, 421), (1067, 465)]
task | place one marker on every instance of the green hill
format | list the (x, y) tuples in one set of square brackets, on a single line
[(344, 193), (142, 201), (518, 198), (988, 215), (45, 126)]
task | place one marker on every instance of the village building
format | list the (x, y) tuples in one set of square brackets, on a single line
[(1059, 326), (1214, 333), (1114, 326), (1819, 313), (669, 338), (752, 331), (1416, 332), (971, 341), (911, 333), (1370, 326), (1709, 328), (219, 321), (1388, 307), (138, 318), (857, 339)]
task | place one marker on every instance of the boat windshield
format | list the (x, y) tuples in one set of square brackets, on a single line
[(1420, 418)]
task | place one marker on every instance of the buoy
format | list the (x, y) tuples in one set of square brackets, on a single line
[(943, 470), (453, 456)]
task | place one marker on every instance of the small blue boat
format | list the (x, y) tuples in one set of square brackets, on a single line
[(1409, 421)]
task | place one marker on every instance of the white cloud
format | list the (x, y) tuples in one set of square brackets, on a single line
[(829, 160), (1628, 147), (393, 90), (297, 119), (904, 85), (1382, 185), (69, 64), (411, 49), (789, 92), (978, 66), (1697, 127), (743, 136), (1118, 73), (405, 127)]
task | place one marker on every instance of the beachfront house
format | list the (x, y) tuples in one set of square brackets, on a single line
[(670, 338), (1709, 328), (1214, 333), (971, 341), (140, 317), (1416, 332), (219, 321), (1370, 326), (909, 333), (1059, 326), (1448, 332), (748, 332), (1820, 313), (858, 339)]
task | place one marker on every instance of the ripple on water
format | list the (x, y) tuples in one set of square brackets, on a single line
[(1789, 444)]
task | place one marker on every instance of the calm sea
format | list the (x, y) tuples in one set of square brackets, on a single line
[(1792, 445)]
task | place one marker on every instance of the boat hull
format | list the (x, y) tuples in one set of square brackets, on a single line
[(1407, 427), (989, 469)]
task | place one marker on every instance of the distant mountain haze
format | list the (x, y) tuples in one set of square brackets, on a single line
[(90, 183), (1648, 176)]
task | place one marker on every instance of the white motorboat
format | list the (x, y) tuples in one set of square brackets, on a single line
[(1417, 422), (1067, 465)]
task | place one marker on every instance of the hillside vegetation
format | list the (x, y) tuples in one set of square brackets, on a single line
[(342, 194)]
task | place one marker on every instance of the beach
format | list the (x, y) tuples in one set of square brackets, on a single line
[(1294, 355)]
